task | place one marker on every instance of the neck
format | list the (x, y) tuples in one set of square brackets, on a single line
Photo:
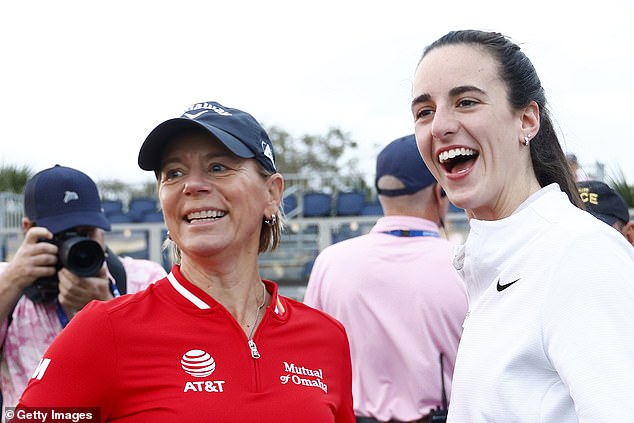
[(506, 203), (240, 292)]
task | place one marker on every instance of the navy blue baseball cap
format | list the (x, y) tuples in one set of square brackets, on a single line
[(603, 202), (235, 129), (61, 198), (402, 160)]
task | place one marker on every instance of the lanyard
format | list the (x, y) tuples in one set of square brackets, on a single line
[(63, 318), (407, 233)]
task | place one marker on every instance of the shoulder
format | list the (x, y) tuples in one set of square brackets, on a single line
[(132, 303), (346, 251), (121, 315), (585, 255), (596, 250), (347, 245), (582, 229), (305, 315), (567, 223)]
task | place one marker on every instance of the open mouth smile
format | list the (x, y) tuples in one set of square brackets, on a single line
[(457, 160), (204, 215)]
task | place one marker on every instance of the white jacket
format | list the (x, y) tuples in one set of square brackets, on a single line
[(549, 337)]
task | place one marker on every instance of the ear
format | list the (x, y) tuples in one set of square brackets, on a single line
[(628, 231), (442, 202), (274, 193), (529, 121), (440, 191), (26, 224)]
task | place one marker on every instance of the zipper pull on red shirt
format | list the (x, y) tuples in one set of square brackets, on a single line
[(254, 349)]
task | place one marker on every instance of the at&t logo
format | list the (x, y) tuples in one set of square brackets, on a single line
[(200, 364)]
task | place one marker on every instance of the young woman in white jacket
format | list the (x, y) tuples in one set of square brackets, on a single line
[(548, 337)]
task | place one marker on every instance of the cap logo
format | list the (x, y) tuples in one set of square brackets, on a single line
[(195, 115), (207, 106), (268, 152), (588, 196), (70, 196)]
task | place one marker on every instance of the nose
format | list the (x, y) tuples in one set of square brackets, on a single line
[(195, 183), (444, 124)]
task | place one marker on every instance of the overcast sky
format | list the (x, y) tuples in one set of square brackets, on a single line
[(83, 82)]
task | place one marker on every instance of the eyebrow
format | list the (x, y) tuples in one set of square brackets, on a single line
[(420, 99), (464, 89), (452, 93)]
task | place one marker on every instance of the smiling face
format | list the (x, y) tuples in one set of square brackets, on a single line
[(468, 134), (213, 201)]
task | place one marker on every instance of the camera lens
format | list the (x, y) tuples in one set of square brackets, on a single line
[(82, 256)]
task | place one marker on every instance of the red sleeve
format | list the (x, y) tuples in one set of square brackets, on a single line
[(345, 413), (78, 369)]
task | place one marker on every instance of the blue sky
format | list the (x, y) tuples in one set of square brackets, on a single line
[(83, 82)]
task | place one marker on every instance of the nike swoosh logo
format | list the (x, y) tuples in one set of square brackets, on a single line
[(503, 287), (194, 116)]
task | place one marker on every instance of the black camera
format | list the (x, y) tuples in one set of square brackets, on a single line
[(79, 254)]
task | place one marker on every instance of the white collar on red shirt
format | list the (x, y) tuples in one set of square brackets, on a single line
[(187, 294), (279, 308)]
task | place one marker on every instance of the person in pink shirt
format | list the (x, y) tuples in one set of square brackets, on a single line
[(398, 295), (39, 293)]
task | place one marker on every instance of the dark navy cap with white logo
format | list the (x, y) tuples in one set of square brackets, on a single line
[(235, 129), (61, 198), (402, 160), (603, 202)]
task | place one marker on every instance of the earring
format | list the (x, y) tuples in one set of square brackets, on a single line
[(527, 139), (272, 221)]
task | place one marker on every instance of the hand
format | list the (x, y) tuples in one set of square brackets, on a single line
[(32, 261), (75, 292)]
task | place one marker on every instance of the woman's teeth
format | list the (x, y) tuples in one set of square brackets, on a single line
[(455, 152), (206, 214)]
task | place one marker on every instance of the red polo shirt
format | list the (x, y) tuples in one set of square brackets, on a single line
[(172, 353)]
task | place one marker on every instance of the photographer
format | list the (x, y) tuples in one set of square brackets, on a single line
[(61, 266)]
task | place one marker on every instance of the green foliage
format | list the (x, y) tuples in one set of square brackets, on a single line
[(318, 162), (620, 185), (13, 178)]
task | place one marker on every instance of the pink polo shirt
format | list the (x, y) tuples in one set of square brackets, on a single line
[(402, 304)]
